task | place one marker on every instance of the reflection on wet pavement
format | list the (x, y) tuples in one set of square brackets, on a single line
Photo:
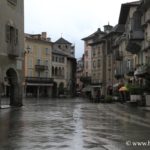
[(72, 124)]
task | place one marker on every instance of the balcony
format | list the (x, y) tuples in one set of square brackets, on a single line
[(118, 74), (118, 55), (96, 82), (133, 47), (142, 71), (86, 79), (136, 35), (145, 18), (58, 76), (41, 67), (146, 4), (130, 71), (145, 45), (38, 80), (12, 51)]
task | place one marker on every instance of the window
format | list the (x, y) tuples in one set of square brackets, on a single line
[(46, 51), (56, 59), (38, 74), (46, 74), (87, 65), (30, 63), (11, 35), (30, 72), (99, 63), (38, 61), (86, 53), (53, 58), (94, 64), (46, 62), (99, 50), (63, 59), (12, 2), (60, 59), (147, 59), (93, 52), (39, 53)]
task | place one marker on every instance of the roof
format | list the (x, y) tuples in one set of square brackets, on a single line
[(125, 10), (58, 52), (118, 28), (93, 34), (62, 41), (36, 38)]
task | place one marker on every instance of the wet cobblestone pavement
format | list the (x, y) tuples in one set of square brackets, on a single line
[(73, 124)]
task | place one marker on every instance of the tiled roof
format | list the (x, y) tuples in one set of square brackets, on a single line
[(93, 34), (62, 41)]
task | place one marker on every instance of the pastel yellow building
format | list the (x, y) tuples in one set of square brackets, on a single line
[(37, 65)]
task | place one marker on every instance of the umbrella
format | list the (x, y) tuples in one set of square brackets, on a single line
[(123, 88)]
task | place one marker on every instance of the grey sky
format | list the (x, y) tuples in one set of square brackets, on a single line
[(74, 19)]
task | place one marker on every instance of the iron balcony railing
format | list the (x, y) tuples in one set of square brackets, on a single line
[(39, 80), (142, 71), (12, 51), (41, 67)]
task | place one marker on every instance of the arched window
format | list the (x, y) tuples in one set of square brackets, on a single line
[(53, 71), (59, 71), (56, 71), (62, 71)]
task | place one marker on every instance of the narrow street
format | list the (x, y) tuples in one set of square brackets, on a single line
[(73, 124)]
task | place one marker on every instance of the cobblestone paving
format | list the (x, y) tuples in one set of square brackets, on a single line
[(73, 124)]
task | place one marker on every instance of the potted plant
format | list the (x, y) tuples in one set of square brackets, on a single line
[(135, 93), (147, 91), (109, 99)]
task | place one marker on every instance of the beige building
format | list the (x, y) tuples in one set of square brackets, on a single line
[(130, 42), (79, 74), (63, 67), (101, 63), (144, 54), (121, 55), (88, 51), (37, 66), (11, 49)]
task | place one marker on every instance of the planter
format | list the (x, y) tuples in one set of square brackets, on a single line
[(147, 98), (135, 98)]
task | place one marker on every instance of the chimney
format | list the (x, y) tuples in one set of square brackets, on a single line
[(48, 39), (107, 28), (44, 35)]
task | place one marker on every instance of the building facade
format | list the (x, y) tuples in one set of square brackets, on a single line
[(11, 49), (37, 66), (64, 67), (79, 74), (121, 56)]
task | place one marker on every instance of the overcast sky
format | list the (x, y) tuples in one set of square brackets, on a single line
[(73, 19)]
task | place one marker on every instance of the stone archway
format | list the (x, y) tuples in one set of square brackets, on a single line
[(15, 88)]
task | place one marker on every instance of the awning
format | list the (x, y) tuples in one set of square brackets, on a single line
[(116, 85), (87, 89)]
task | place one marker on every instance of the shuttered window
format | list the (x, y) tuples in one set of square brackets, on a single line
[(13, 2), (11, 34)]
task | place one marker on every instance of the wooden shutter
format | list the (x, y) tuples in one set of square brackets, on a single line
[(16, 36), (7, 33)]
